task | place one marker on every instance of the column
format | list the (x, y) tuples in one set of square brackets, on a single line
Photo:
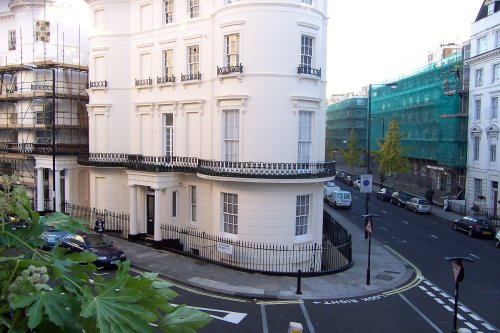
[(58, 191), (158, 204), (40, 190), (133, 210)]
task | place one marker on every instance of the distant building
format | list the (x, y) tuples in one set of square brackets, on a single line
[(442, 52), (342, 117), (483, 168)]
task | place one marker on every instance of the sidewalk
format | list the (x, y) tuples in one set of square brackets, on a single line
[(387, 271)]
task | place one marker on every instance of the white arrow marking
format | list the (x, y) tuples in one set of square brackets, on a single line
[(231, 317), (405, 222), (473, 255), (433, 236)]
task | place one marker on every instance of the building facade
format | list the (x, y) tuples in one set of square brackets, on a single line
[(209, 115), (483, 169), (43, 119)]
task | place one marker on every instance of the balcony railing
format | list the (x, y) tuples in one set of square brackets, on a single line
[(41, 87), (229, 69), (190, 77), (308, 70), (97, 84), (209, 168), (144, 82), (165, 79), (43, 149)]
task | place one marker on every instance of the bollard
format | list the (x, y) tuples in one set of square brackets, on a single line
[(295, 327), (298, 292)]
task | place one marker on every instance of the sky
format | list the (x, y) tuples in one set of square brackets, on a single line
[(373, 41)]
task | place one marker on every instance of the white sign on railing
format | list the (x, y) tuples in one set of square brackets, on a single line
[(224, 248)]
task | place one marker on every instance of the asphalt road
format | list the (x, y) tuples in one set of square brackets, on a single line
[(425, 240)]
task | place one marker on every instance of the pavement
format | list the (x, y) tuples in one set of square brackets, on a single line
[(388, 271)]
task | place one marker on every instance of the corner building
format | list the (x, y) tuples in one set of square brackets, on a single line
[(209, 115)]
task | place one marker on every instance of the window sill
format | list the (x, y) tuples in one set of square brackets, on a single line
[(302, 239), (311, 77), (190, 82), (150, 87), (165, 85), (230, 76)]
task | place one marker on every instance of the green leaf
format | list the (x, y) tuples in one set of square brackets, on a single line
[(55, 304), (116, 309), (184, 320)]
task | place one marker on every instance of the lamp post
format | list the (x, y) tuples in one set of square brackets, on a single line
[(383, 125), (368, 216)]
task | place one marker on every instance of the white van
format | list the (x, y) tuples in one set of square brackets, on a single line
[(328, 189), (340, 199)]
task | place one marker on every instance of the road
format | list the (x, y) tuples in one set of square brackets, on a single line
[(423, 241)]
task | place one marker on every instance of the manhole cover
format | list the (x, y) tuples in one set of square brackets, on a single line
[(384, 277)]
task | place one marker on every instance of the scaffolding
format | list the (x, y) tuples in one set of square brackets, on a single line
[(33, 97)]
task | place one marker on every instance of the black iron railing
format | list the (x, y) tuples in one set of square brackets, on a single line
[(41, 87), (165, 79), (309, 70), (97, 84), (277, 259), (115, 224), (229, 69), (210, 168), (190, 77), (43, 149), (143, 82)]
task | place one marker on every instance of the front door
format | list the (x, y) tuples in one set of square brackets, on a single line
[(150, 213)]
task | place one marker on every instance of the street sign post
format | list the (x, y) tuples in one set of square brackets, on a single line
[(458, 276), (365, 185)]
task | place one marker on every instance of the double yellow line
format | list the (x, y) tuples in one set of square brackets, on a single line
[(415, 282)]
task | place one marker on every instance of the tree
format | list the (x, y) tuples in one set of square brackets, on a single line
[(352, 153), (57, 291), (390, 156)]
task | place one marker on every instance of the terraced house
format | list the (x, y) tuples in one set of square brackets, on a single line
[(209, 115)]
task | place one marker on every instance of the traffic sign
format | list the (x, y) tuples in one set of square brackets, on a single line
[(458, 271), (365, 185), (369, 225)]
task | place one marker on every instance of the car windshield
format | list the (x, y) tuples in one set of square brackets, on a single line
[(423, 202), (404, 196), (96, 241)]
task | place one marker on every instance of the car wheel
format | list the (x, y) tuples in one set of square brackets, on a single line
[(469, 233), (414, 211), (455, 227)]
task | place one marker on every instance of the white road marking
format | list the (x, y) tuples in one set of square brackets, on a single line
[(405, 222), (439, 300), (423, 288), (475, 317), (308, 320), (264, 319), (448, 308), (420, 313), (464, 309), (427, 282), (470, 325), (431, 294), (433, 236), (436, 289), (473, 255), (384, 228), (459, 316), (384, 212), (488, 327), (445, 295), (230, 317)]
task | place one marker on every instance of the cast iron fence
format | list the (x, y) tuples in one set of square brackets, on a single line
[(332, 256), (115, 224)]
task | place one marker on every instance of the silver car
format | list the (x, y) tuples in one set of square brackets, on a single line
[(419, 205)]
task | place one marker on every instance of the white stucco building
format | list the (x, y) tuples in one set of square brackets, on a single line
[(43, 119), (210, 115), (483, 168)]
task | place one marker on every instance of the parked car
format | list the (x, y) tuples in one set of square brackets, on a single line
[(497, 240), (356, 184), (475, 226), (400, 199), (419, 205), (51, 237), (340, 199), (107, 253), (328, 189), (348, 180), (384, 194)]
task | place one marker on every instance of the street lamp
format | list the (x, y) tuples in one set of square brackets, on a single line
[(383, 125)]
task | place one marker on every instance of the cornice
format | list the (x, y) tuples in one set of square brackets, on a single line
[(483, 56), (29, 4)]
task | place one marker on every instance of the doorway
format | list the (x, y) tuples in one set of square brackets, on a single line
[(150, 214)]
